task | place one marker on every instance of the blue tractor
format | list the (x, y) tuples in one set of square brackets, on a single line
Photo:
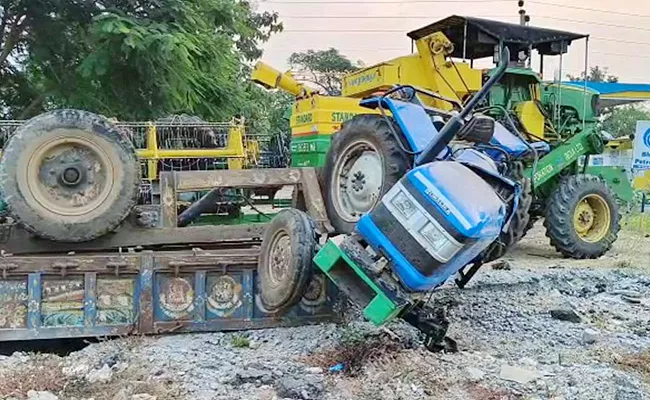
[(450, 213)]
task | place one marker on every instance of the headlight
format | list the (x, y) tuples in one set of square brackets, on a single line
[(433, 235), (441, 245), (404, 205)]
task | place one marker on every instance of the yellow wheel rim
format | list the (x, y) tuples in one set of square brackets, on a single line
[(592, 218)]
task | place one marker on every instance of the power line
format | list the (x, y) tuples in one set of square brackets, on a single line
[(620, 54), (638, 28), (488, 16), (600, 10), (345, 30), (620, 41), (378, 16), (383, 2)]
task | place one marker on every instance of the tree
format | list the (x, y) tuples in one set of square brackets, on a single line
[(325, 68), (137, 59), (621, 121), (596, 74)]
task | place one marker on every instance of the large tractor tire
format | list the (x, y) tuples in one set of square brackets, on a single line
[(69, 175), (363, 162), (518, 225), (285, 264), (582, 218)]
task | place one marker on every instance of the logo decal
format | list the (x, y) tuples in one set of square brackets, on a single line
[(224, 296)]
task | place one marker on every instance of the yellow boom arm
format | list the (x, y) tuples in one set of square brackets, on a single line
[(271, 78)]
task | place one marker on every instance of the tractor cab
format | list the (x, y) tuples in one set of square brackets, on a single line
[(521, 92)]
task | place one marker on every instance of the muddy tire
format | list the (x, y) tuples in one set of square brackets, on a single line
[(582, 218), (519, 225), (363, 162), (285, 264), (69, 175)]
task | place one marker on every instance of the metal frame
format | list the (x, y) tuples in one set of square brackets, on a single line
[(145, 270), (235, 255), (166, 232)]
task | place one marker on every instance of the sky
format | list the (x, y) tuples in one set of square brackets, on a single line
[(619, 31)]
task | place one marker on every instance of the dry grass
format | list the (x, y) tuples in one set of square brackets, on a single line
[(355, 350), (479, 392), (44, 373), (639, 363)]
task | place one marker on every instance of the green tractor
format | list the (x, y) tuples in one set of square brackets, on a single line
[(578, 203), (580, 210)]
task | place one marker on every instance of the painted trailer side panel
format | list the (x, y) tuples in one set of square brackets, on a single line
[(142, 293)]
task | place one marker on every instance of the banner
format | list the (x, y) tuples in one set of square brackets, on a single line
[(641, 147)]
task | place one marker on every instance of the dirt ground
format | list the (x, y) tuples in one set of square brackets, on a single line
[(538, 327)]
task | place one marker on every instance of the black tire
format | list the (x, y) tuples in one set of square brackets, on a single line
[(362, 130), (289, 244), (518, 225), (101, 190), (559, 220)]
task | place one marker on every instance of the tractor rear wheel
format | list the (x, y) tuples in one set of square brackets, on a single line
[(69, 175), (363, 162), (285, 263), (582, 218)]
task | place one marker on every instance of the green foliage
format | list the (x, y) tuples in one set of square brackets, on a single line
[(324, 68), (140, 59), (621, 121), (596, 74), (239, 341)]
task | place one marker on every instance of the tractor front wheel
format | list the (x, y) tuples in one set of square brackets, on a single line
[(363, 163), (582, 218), (285, 262)]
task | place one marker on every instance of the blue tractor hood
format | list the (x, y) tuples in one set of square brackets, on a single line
[(466, 200)]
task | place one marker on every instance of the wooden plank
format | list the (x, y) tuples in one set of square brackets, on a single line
[(187, 181), (240, 324), (314, 200), (21, 242), (168, 199), (65, 332), (67, 265), (90, 298), (34, 292), (145, 293)]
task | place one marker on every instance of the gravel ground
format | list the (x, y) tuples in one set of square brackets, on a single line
[(542, 328)]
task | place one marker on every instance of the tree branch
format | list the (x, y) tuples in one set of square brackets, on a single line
[(14, 33), (32, 106)]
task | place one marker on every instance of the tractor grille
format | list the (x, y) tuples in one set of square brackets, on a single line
[(403, 241)]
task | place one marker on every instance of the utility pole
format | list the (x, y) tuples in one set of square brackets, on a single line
[(524, 20)]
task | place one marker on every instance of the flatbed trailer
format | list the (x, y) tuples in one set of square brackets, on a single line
[(152, 276)]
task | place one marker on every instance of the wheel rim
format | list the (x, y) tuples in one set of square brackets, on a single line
[(279, 267), (358, 179), (592, 218), (69, 176)]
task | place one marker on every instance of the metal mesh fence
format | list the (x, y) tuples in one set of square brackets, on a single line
[(262, 150)]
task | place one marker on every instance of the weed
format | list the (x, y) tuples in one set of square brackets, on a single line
[(355, 349), (239, 341)]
